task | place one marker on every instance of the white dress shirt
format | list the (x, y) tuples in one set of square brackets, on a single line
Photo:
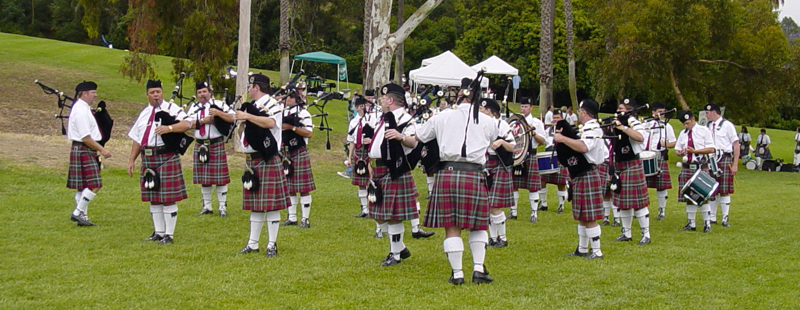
[(401, 117), (82, 123), (634, 124), (140, 126), (702, 138), (724, 134), (763, 140), (598, 150), (538, 128), (268, 104), (657, 132), (211, 130), (308, 123), (448, 128)]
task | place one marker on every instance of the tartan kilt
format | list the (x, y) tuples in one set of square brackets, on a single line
[(84, 169), (587, 196), (215, 170), (361, 181), (399, 197), (744, 149), (634, 187), (301, 180), (168, 167), (660, 181), (558, 178), (726, 179), (501, 195), (603, 170), (272, 194), (530, 181), (684, 177), (460, 200)]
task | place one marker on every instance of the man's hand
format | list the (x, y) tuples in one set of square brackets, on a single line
[(497, 144), (366, 141), (559, 138), (105, 153), (393, 134), (209, 119), (735, 167), (242, 115), (347, 163), (160, 130), (131, 165)]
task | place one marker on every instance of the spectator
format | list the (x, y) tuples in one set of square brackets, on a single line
[(762, 147), (744, 142)]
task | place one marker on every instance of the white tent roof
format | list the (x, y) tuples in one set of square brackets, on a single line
[(495, 65), (445, 69)]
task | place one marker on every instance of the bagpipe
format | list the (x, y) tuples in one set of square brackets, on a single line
[(621, 117), (177, 142), (260, 139), (101, 115)]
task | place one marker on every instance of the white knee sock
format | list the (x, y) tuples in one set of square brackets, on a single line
[(292, 210), (429, 181), (562, 196), (257, 220), (415, 222), (206, 191), (170, 219), (378, 227), (662, 199), (454, 249), (157, 212), (705, 212), (543, 196), (514, 206), (362, 197), (627, 221), (477, 243), (594, 237), (222, 196), (78, 195), (615, 210), (725, 205), (583, 239), (643, 215), (86, 196), (498, 226), (606, 208), (533, 197), (273, 224), (713, 208), (396, 239), (306, 202), (690, 214)]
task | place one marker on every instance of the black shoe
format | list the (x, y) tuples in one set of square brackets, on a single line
[(81, 220), (390, 261), (706, 228), (492, 242), (543, 208), (166, 239), (594, 256), (422, 234), (644, 241), (689, 227), (512, 217), (405, 253), (576, 253), (660, 216), (247, 250), (362, 215), (222, 213), (725, 222), (455, 281), (623, 238), (378, 234), (560, 209), (616, 223), (272, 251), (533, 219), (288, 223), (713, 222), (304, 223), (205, 211), (500, 244), (154, 237), (605, 222), (481, 278)]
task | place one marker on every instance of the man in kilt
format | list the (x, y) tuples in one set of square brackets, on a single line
[(501, 191), (608, 205), (694, 144), (358, 149), (587, 183), (157, 156), (392, 142), (632, 199), (660, 138), (297, 128), (84, 167), (460, 197), (559, 178), (210, 162), (529, 179), (726, 145), (269, 193)]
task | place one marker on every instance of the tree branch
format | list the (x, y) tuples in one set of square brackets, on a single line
[(412, 22), (722, 61)]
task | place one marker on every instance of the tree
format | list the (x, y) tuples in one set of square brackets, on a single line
[(573, 84), (284, 45), (399, 53), (546, 56)]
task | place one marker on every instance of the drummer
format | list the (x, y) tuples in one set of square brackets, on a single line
[(694, 143), (559, 178), (529, 179), (659, 137)]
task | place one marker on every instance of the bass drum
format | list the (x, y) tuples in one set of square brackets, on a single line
[(519, 128), (751, 164)]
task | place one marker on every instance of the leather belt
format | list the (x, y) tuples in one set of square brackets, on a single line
[(635, 157), (153, 151), (460, 166), (210, 141)]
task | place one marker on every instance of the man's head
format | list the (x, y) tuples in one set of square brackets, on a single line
[(525, 106), (587, 110), (393, 97), (369, 94), (154, 92), (360, 104), (258, 87), (712, 112), (569, 110), (763, 131), (86, 91), (557, 116), (658, 108), (687, 118), (490, 107), (202, 92), (627, 104)]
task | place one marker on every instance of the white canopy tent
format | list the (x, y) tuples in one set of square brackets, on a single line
[(495, 65), (445, 69)]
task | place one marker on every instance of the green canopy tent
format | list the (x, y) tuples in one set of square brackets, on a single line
[(341, 65)]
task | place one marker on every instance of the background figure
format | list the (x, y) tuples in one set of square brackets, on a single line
[(744, 142), (762, 147), (796, 161)]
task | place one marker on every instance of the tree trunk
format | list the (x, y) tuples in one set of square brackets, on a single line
[(399, 54), (367, 45), (678, 95), (546, 56), (284, 41), (243, 59), (573, 84)]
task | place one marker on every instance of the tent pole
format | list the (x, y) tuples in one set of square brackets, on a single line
[(291, 69), (338, 68)]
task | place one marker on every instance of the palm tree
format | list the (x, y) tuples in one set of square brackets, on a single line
[(546, 56), (284, 40), (573, 84)]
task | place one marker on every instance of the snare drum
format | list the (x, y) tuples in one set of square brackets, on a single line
[(650, 162), (548, 163), (713, 166), (750, 164), (699, 188)]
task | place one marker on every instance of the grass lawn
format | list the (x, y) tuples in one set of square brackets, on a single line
[(48, 262)]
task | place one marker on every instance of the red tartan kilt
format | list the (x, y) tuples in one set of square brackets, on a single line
[(660, 181), (215, 170), (587, 196), (726, 179), (272, 194), (84, 170), (301, 180), (399, 197), (460, 200), (501, 195), (558, 178), (683, 178), (603, 170), (634, 186), (530, 181), (360, 181), (168, 167)]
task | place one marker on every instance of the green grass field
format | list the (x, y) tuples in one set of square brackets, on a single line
[(48, 262)]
